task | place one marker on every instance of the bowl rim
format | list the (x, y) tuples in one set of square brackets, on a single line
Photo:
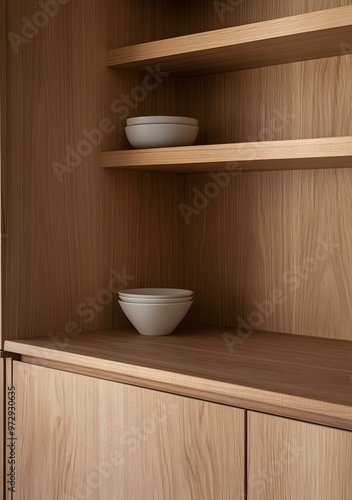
[(158, 119), (148, 305), (175, 293), (163, 300), (128, 127)]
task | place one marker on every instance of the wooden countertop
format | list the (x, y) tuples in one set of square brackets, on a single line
[(305, 378)]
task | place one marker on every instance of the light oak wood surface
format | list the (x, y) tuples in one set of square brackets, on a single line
[(3, 146), (329, 152), (297, 38), (56, 229), (65, 239), (262, 228), (8, 366), (142, 443), (300, 377), (260, 231), (2, 424), (290, 460)]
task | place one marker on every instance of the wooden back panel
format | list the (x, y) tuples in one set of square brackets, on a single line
[(66, 238), (266, 232)]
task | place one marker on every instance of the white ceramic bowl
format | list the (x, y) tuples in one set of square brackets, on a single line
[(155, 319), (162, 119), (137, 300), (161, 135), (156, 293)]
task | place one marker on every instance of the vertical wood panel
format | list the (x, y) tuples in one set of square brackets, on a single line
[(290, 459), (8, 373), (254, 236), (108, 440), (3, 147), (65, 239), (2, 424), (56, 230)]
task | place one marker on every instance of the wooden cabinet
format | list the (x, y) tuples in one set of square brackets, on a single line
[(266, 245), (294, 460), (82, 437)]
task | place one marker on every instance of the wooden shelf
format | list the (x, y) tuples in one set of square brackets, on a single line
[(307, 378), (300, 154), (297, 38)]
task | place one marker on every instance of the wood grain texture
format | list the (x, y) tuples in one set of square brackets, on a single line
[(257, 234), (300, 377), (260, 230), (65, 239), (56, 229), (8, 366), (287, 233), (290, 460), (329, 152), (2, 425), (279, 41), (3, 145), (206, 16), (142, 443)]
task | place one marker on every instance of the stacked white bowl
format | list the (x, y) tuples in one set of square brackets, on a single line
[(161, 131), (155, 311)]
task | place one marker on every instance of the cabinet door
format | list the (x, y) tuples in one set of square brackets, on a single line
[(290, 460), (81, 437)]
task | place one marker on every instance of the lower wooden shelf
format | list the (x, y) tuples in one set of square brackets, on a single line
[(307, 378), (299, 154)]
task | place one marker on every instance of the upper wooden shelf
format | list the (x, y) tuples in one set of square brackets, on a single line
[(320, 34), (299, 154), (307, 378)]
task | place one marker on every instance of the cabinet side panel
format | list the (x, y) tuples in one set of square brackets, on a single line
[(108, 440), (9, 426), (3, 146), (2, 427), (59, 206), (78, 233), (290, 459)]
